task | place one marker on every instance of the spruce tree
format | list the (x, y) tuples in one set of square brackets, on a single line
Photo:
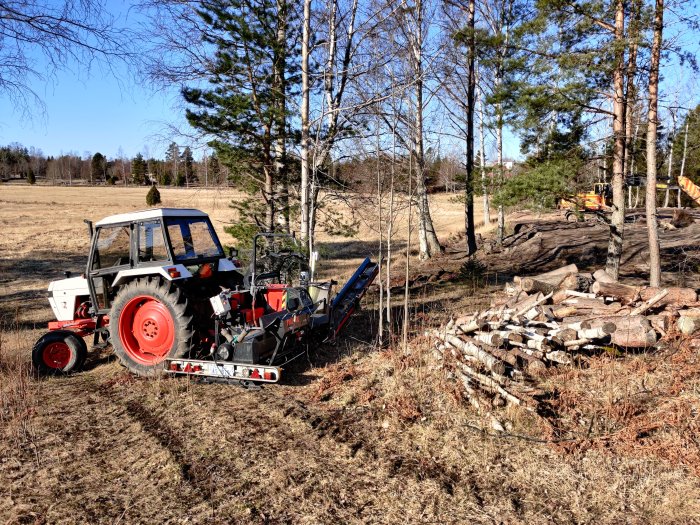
[(153, 196), (98, 167)]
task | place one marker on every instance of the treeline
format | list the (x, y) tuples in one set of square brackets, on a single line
[(177, 168)]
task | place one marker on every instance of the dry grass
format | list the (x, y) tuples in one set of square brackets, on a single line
[(354, 435)]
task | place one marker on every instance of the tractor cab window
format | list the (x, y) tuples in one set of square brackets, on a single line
[(192, 238), (151, 242), (112, 247)]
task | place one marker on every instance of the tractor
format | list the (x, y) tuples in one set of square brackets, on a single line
[(159, 288)]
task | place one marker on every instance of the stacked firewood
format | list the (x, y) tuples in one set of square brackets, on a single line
[(556, 318)]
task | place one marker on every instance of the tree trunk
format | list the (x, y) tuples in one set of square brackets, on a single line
[(304, 147), (482, 159), (428, 241), (631, 92), (390, 233), (406, 290), (469, 190), (617, 221), (685, 150), (380, 218), (281, 198), (501, 230), (652, 123), (669, 171)]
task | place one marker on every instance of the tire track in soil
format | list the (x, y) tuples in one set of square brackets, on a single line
[(348, 430), (94, 451), (194, 473), (330, 432)]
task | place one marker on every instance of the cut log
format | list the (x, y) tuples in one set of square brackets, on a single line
[(475, 352), (541, 299), (530, 284), (559, 296), (627, 294), (563, 272), (511, 337), (633, 332), (602, 276), (654, 300), (542, 346), (534, 366), (471, 325), (576, 282), (488, 338), (600, 331), (661, 322), (525, 304), (689, 312), (564, 311), (504, 355), (557, 356), (677, 296), (688, 325), (584, 302)]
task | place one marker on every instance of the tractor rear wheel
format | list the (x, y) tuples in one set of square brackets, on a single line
[(59, 352), (148, 323)]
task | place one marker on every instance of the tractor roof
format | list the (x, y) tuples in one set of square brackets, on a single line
[(150, 214)]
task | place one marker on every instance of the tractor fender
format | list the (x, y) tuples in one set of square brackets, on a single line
[(179, 271)]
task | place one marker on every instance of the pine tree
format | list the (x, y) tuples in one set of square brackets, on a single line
[(244, 107), (187, 163), (172, 159), (138, 169), (691, 169), (214, 169)]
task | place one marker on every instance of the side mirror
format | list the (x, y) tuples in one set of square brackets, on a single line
[(91, 230)]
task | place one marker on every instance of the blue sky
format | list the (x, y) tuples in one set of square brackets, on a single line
[(105, 112), (93, 114), (92, 111)]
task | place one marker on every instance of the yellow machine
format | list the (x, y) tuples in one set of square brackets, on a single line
[(596, 200)]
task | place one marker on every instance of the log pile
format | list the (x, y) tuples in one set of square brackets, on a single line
[(552, 319)]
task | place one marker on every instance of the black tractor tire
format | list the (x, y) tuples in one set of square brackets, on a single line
[(59, 352), (148, 323)]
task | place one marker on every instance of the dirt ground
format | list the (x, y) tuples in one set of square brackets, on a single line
[(354, 434)]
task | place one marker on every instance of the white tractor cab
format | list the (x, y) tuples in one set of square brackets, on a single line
[(160, 289)]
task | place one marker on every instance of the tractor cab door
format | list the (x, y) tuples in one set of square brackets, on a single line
[(112, 251)]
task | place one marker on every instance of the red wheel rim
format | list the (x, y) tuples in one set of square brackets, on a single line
[(56, 355), (146, 330)]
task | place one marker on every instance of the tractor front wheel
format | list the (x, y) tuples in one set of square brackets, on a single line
[(59, 352), (148, 323)]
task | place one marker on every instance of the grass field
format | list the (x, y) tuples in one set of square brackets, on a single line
[(353, 435)]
